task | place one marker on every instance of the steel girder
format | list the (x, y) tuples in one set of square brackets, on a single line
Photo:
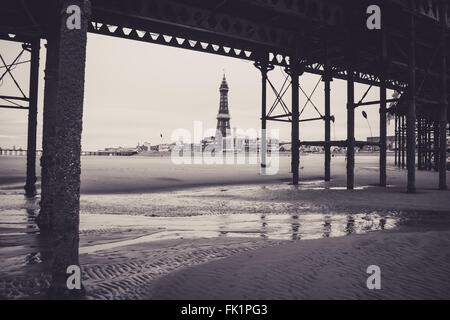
[(250, 29)]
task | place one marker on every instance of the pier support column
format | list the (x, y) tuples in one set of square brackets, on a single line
[(44, 218), (396, 139), (411, 112), (350, 129), (444, 101), (436, 144), (383, 89), (403, 141), (71, 55), (327, 78), (383, 132), (419, 145), (295, 72), (48, 135), (264, 67), (30, 185)]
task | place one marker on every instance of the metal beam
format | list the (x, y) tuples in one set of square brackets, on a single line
[(14, 98), (13, 107), (338, 143), (368, 103)]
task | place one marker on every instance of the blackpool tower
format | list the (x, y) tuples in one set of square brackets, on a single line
[(223, 117)]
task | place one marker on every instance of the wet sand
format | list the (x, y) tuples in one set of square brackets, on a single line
[(413, 266), (260, 239)]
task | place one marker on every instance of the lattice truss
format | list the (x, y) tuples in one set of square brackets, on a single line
[(12, 91)]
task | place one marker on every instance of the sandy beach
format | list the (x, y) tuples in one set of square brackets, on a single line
[(153, 230)]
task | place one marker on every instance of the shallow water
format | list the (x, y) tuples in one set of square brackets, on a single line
[(268, 210), (275, 227), (239, 215)]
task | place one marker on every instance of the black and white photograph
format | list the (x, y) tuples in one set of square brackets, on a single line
[(211, 151)]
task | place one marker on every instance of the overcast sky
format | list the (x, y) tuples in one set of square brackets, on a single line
[(136, 91)]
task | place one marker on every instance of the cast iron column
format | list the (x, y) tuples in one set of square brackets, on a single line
[(30, 185), (327, 78), (295, 143), (383, 144), (71, 54), (264, 67), (49, 117), (411, 112), (350, 128), (396, 139), (444, 102)]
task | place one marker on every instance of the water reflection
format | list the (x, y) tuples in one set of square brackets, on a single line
[(350, 226), (19, 232), (326, 227), (295, 228), (18, 227), (276, 226), (382, 223), (263, 226)]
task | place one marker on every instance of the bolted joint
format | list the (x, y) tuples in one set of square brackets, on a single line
[(50, 74), (264, 66), (295, 68), (327, 77)]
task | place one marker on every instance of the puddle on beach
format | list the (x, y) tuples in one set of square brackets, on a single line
[(281, 220), (266, 226)]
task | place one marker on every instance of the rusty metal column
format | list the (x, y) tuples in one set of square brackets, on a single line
[(396, 139), (295, 143), (263, 119), (383, 130), (48, 124), (350, 128), (48, 134), (436, 145), (327, 78), (419, 145), (383, 134), (429, 144), (30, 185), (71, 55), (403, 141), (444, 101), (411, 112)]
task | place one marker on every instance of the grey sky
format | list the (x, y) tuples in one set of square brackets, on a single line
[(136, 91)]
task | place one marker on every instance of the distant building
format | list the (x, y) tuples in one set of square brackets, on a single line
[(390, 141), (119, 151), (285, 147), (166, 147), (146, 146)]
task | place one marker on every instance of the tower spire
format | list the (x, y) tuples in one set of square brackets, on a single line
[(223, 117)]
